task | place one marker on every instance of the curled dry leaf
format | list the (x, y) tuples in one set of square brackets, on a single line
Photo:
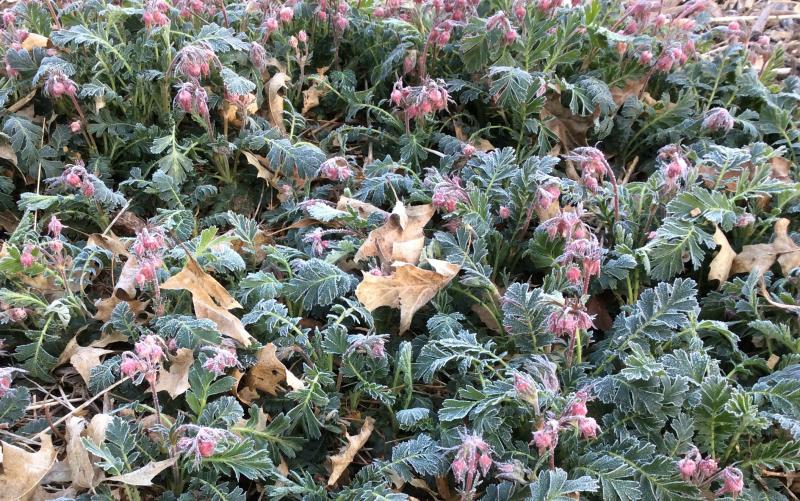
[(125, 288), (269, 372), (23, 470), (245, 394), (144, 476), (313, 94), (35, 41), (363, 209), (401, 238), (7, 153), (761, 257), (570, 129), (175, 381), (275, 99), (78, 460), (210, 300), (105, 307), (261, 164), (83, 358), (720, 267), (409, 288), (341, 461)]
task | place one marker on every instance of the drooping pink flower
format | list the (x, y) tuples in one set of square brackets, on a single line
[(733, 482), (223, 359), (54, 227), (588, 427), (687, 468), (26, 259), (717, 119), (75, 126), (473, 461), (336, 169)]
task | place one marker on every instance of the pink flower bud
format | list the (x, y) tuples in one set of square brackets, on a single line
[(707, 467), (129, 367), (542, 439), (459, 468), (468, 150), (322, 15), (574, 275), (26, 258), (718, 119), (206, 447), (17, 314), (55, 227), (340, 22), (87, 189), (588, 427), (272, 24), (75, 126), (485, 462), (510, 36), (293, 43), (504, 212), (687, 467), (302, 36), (286, 14), (73, 180), (733, 482), (645, 57)]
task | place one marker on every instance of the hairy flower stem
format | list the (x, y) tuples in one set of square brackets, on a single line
[(85, 123), (615, 187), (156, 404)]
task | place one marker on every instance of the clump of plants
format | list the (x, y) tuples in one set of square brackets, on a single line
[(442, 249)]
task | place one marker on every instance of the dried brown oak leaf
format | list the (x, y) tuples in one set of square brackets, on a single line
[(275, 99), (78, 460), (210, 300), (363, 209), (720, 267), (23, 470), (269, 372), (341, 461), (144, 476), (409, 288), (761, 257), (401, 238), (318, 89), (175, 381)]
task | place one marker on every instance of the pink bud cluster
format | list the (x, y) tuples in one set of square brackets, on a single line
[(582, 259), (574, 416), (452, 12), (6, 377), (447, 194), (674, 166), (194, 62), (593, 166), (277, 15), (500, 22), (422, 100), (144, 361), (526, 389), (223, 358), (569, 318), (698, 470), (13, 316), (371, 344), (390, 8), (316, 240), (75, 176), (189, 8), (192, 98), (258, 56), (335, 169), (717, 119), (58, 84), (155, 13), (202, 442), (149, 248), (568, 225), (472, 462), (26, 259), (547, 194)]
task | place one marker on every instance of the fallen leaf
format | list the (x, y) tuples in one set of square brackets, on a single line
[(176, 380), (260, 163), (78, 460), (781, 169), (7, 153), (720, 267), (210, 300), (631, 88), (35, 41), (269, 372), (409, 288), (570, 129), (312, 95), (761, 257), (143, 477), (86, 357), (401, 238), (275, 99), (363, 209), (231, 111), (486, 317), (23, 470), (105, 307), (341, 461), (246, 395), (97, 427)]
